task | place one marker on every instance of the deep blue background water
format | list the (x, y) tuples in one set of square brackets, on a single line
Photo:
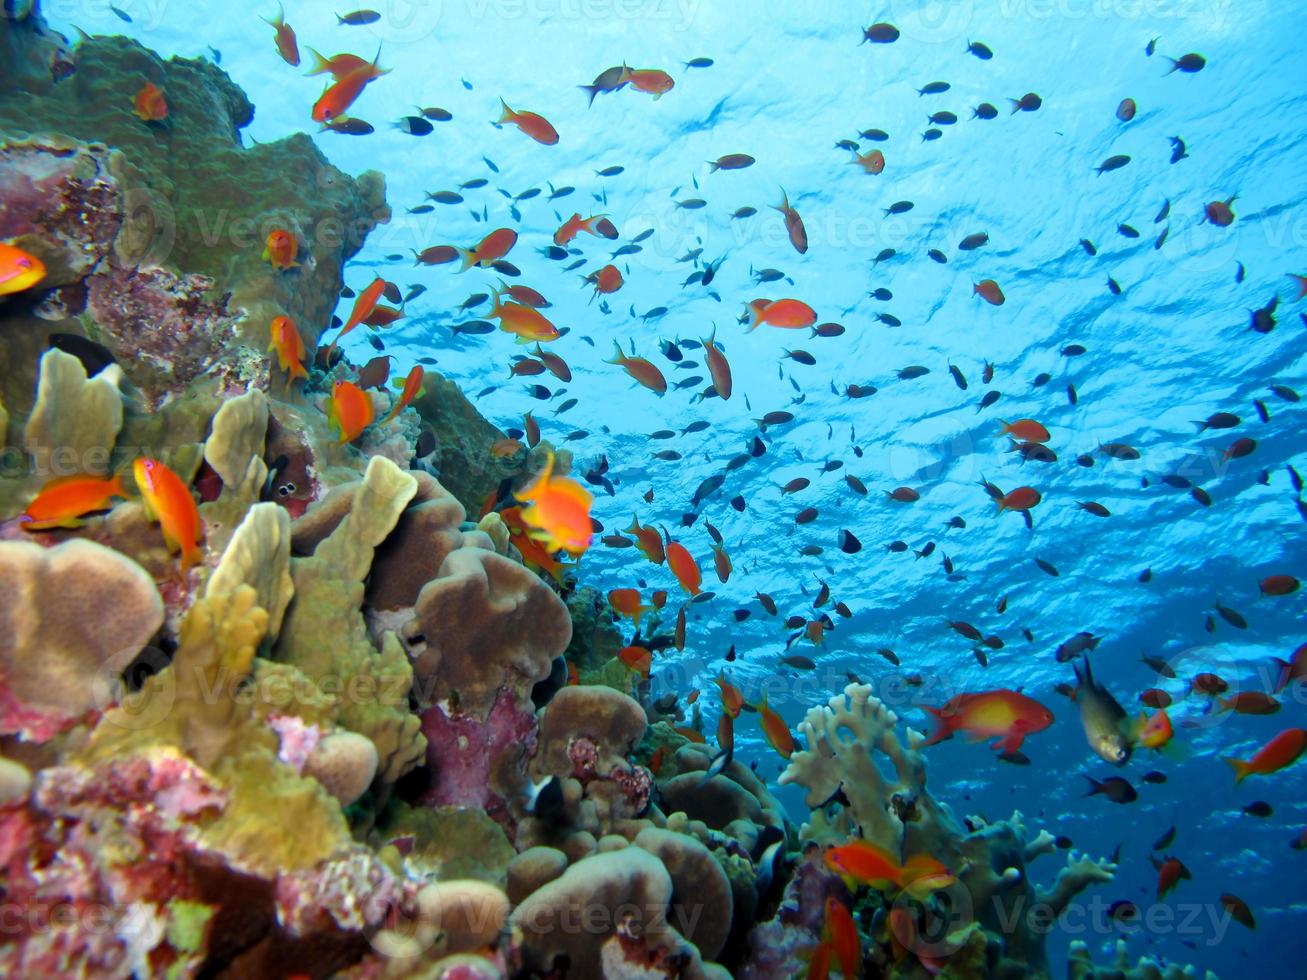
[(1174, 347)]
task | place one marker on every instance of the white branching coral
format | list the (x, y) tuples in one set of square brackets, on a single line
[(843, 738)]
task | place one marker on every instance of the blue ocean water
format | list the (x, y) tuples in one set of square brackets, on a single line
[(786, 83)]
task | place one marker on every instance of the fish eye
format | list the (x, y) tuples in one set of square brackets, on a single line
[(285, 490)]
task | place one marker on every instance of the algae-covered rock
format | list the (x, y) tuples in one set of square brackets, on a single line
[(452, 842), (463, 440)]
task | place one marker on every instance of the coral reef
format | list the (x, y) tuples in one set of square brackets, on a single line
[(1081, 967), (362, 737)]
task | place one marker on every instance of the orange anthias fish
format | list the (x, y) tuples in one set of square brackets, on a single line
[(410, 389), (342, 64), (629, 603), (819, 961), (989, 291), (842, 933), (559, 514), (364, 304), (1279, 752), (794, 228), (694, 735), (531, 429), (150, 105), (342, 93), (533, 124), (775, 730), (505, 448), (287, 46), (1022, 498), (606, 280), (864, 863), (718, 368), (640, 369), (1024, 430), (168, 500), (1001, 714), (63, 501), (684, 567), (732, 699), (531, 550), (280, 248), (726, 732), (790, 314), (1155, 732), (524, 322), (350, 410), (722, 563), (18, 270), (637, 659), (873, 162), (1170, 873), (289, 347), (494, 246), (648, 541), (574, 225), (651, 81)]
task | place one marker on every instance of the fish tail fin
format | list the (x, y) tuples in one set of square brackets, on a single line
[(1242, 770), (618, 356), (320, 64), (297, 370), (116, 487), (591, 90), (943, 730), (1016, 105), (1094, 786), (467, 257), (507, 115), (1004, 427)]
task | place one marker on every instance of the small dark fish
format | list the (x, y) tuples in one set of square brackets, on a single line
[(1231, 616), (984, 111), (691, 204), (1113, 163), (1128, 231), (980, 50), (1154, 777), (943, 118), (1027, 103), (1178, 151), (1071, 395), (889, 319), (899, 207), (120, 14), (934, 88), (421, 209), (880, 34), (445, 197), (798, 661), (958, 378), (849, 543), (745, 212), (435, 113), (1238, 272), (1089, 247), (973, 241), (1115, 788), (931, 135), (937, 256), (898, 547), (875, 135), (1258, 808), (1151, 47), (1073, 350), (1159, 665), (358, 18), (698, 63), (1047, 567), (884, 255), (1095, 508), (610, 171), (376, 342), (556, 192), (738, 503), (414, 126), (1161, 215), (1189, 63), (989, 399), (1160, 240), (1202, 496)]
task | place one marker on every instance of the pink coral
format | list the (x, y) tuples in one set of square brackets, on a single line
[(585, 758), (298, 739), (636, 784), (469, 758), (354, 893)]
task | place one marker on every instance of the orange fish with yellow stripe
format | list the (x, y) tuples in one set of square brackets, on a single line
[(65, 500)]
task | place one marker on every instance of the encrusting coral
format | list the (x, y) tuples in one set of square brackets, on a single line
[(71, 618)]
